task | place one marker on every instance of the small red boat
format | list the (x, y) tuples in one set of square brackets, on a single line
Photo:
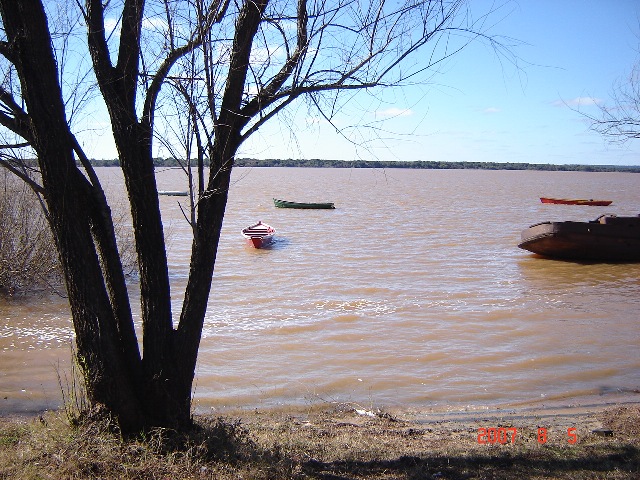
[(259, 235), (576, 201)]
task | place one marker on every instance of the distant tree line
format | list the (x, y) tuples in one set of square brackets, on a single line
[(419, 164), (433, 165)]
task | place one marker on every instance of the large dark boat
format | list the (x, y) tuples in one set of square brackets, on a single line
[(608, 238)]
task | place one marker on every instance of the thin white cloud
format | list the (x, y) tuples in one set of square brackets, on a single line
[(262, 54), (155, 24), (578, 102), (394, 112), (112, 25), (491, 110)]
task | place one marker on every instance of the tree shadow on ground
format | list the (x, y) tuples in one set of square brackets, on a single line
[(620, 462), (232, 448)]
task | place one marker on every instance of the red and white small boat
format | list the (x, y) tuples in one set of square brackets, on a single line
[(259, 235)]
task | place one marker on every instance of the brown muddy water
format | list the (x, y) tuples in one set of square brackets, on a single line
[(411, 293)]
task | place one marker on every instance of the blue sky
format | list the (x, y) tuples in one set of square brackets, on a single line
[(480, 108)]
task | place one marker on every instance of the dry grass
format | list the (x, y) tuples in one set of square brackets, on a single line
[(326, 443)]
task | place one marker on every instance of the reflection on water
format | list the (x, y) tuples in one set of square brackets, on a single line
[(411, 293)]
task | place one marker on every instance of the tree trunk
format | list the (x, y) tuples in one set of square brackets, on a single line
[(212, 203)]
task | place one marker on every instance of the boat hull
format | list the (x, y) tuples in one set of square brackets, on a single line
[(260, 242), (315, 206), (615, 239), (576, 201)]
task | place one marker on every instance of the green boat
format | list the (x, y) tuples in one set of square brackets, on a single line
[(286, 204)]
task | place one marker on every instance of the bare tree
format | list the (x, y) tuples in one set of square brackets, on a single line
[(621, 122), (236, 66)]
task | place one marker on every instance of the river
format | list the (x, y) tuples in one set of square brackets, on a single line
[(412, 293)]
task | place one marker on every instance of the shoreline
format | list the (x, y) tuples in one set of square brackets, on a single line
[(449, 412), (532, 416), (585, 419)]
